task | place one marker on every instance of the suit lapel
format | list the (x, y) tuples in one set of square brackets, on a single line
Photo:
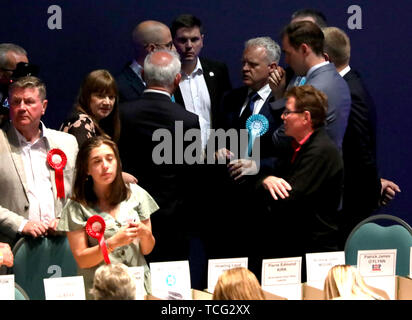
[(16, 156), (134, 80)]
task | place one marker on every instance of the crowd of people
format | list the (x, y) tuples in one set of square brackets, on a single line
[(315, 178)]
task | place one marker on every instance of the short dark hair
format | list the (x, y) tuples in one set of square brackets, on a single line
[(305, 32), (83, 184), (185, 21), (319, 17), (308, 98)]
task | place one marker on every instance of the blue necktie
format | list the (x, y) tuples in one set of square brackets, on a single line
[(248, 111)]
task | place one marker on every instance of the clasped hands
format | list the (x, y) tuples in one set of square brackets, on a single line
[(127, 234), (40, 228), (238, 167)]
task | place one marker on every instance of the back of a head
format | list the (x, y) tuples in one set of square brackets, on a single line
[(337, 46), (345, 282), (113, 282), (306, 32), (310, 15), (185, 21), (238, 284), (273, 50), (160, 68)]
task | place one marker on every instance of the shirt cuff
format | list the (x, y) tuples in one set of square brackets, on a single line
[(22, 225)]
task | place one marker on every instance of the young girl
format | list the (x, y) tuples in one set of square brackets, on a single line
[(100, 190)]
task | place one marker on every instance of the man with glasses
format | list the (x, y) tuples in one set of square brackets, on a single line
[(147, 36), (305, 192), (10, 55)]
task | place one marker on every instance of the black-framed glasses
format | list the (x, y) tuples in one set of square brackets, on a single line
[(288, 112)]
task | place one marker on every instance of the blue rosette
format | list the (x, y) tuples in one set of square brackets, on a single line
[(256, 125)]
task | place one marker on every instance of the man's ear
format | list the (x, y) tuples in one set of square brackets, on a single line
[(177, 79), (305, 49), (44, 106), (150, 47), (327, 58), (272, 66)]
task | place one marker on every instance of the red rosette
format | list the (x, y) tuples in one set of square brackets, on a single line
[(57, 159), (95, 227)]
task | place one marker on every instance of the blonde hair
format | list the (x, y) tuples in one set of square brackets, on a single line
[(238, 284), (113, 282), (345, 282)]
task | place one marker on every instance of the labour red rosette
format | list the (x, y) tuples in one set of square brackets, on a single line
[(57, 160), (95, 227)]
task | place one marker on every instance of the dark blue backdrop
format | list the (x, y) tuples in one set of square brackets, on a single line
[(96, 34)]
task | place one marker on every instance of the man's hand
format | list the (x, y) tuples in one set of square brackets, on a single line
[(223, 154), (35, 228), (277, 82), (242, 167), (388, 191), (6, 255), (128, 178), (277, 187)]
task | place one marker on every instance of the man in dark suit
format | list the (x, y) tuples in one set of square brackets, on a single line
[(235, 187), (302, 43), (160, 166), (363, 187), (204, 81), (147, 37)]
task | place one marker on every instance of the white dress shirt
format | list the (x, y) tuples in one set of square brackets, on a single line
[(197, 99), (263, 93), (137, 68), (344, 71), (38, 178)]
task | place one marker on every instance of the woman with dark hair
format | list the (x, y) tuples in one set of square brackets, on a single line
[(96, 111), (99, 189)]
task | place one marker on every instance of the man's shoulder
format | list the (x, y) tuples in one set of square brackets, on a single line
[(61, 137)]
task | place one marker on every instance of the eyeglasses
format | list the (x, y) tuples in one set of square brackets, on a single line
[(288, 112), (168, 45)]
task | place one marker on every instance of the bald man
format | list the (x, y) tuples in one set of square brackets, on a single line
[(147, 36)]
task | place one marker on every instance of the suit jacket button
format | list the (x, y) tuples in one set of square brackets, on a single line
[(26, 207)]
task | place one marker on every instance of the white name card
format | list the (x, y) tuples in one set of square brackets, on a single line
[(217, 266), (64, 288), (319, 264), (283, 277), (377, 263), (7, 287), (138, 275), (171, 280), (281, 271)]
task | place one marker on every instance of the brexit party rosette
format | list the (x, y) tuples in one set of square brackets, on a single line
[(95, 227), (256, 125), (57, 160)]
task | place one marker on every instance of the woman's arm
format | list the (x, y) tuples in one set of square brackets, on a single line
[(87, 257), (144, 232)]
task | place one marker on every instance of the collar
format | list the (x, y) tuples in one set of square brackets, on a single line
[(198, 70), (137, 68), (316, 66), (263, 92), (344, 71), (297, 145), (157, 91), (44, 134)]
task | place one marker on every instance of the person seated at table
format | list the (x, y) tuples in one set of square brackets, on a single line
[(238, 284), (113, 282), (126, 208), (344, 282)]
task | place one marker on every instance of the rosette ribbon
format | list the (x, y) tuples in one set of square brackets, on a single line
[(57, 160), (256, 125), (95, 227)]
